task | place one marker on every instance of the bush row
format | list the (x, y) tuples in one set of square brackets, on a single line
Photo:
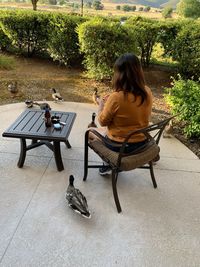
[(33, 32), (68, 38), (183, 99)]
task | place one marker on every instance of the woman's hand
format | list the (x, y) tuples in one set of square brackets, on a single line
[(102, 102), (101, 105)]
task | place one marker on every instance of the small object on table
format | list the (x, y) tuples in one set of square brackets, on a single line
[(76, 200), (57, 126), (47, 117), (92, 123), (55, 119)]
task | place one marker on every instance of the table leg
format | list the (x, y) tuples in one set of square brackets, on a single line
[(22, 153), (67, 144), (57, 156), (33, 141)]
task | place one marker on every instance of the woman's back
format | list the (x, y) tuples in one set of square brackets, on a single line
[(123, 113)]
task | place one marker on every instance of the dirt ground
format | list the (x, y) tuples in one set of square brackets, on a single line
[(35, 78)]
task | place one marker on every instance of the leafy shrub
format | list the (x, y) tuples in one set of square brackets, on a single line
[(126, 8), (167, 12), (27, 30), (184, 98), (102, 42), (167, 35), (187, 51), (4, 40), (145, 33), (63, 38)]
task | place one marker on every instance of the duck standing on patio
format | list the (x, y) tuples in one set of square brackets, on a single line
[(92, 123), (168, 131), (56, 95), (31, 103), (76, 200)]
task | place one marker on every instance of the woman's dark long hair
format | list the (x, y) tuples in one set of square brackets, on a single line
[(129, 76)]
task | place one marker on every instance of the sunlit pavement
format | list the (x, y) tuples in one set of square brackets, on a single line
[(157, 227)]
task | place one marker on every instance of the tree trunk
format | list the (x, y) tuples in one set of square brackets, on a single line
[(34, 3)]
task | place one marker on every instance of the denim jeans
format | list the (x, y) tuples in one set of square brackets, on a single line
[(130, 147)]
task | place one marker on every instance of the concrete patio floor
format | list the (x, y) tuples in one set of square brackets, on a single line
[(157, 227)]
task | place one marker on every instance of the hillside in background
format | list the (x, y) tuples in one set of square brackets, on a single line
[(152, 3)]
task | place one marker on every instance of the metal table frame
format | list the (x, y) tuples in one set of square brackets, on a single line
[(30, 125)]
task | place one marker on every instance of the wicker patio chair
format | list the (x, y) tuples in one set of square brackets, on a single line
[(118, 161)]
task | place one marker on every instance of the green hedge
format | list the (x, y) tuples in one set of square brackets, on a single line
[(27, 30), (168, 32), (68, 38), (102, 42), (4, 40), (63, 38), (145, 33), (184, 98), (187, 50)]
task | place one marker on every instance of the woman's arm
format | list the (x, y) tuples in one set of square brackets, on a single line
[(107, 109)]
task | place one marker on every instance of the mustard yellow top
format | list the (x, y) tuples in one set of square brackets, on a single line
[(123, 114)]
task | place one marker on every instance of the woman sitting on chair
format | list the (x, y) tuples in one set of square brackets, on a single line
[(127, 108)]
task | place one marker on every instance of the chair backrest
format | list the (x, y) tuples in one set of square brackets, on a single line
[(152, 134), (157, 128)]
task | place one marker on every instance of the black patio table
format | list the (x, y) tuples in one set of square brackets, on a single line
[(30, 125)]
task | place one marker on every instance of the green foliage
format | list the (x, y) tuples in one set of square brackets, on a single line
[(167, 35), (147, 8), (118, 7), (102, 42), (187, 50), (133, 8), (145, 33), (189, 8), (159, 57), (27, 30), (184, 98), (126, 8), (167, 12), (88, 4), (7, 62), (63, 38), (97, 5), (4, 40)]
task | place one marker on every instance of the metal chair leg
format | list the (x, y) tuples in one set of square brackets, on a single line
[(152, 175), (114, 187), (85, 157)]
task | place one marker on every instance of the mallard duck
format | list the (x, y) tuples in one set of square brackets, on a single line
[(31, 103), (95, 97), (12, 87), (42, 106), (56, 95), (168, 131), (92, 123), (76, 200)]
